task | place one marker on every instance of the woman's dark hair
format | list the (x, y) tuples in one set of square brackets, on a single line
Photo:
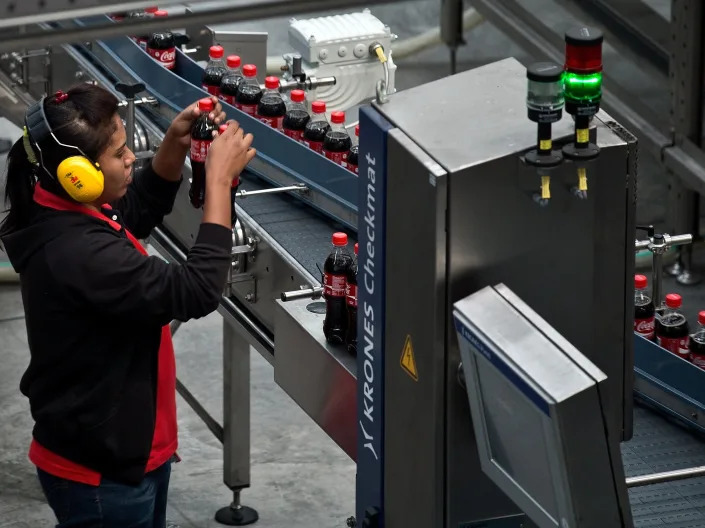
[(83, 119)]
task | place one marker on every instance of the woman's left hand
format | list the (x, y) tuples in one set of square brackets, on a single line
[(180, 128)]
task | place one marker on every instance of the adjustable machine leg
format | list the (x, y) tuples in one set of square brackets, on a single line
[(236, 427)]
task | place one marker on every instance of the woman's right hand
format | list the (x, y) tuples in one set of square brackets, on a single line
[(228, 155)]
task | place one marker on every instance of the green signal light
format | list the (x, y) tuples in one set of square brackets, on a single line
[(581, 88)]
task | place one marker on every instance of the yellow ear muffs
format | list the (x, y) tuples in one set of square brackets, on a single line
[(82, 180)]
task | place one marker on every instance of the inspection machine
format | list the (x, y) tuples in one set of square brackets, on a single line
[(494, 378)]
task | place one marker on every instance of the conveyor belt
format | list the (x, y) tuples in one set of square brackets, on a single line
[(659, 445), (303, 232)]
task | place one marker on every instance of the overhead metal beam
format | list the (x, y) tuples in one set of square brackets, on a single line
[(232, 12)]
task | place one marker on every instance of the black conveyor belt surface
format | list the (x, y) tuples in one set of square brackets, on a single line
[(660, 445), (303, 232)]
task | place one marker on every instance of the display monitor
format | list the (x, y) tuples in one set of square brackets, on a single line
[(537, 415)]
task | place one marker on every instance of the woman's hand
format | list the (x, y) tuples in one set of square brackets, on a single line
[(180, 129), (228, 155), (169, 160)]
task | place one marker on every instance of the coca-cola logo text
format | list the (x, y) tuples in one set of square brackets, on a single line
[(645, 326)]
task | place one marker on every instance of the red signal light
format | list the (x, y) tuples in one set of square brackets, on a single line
[(583, 50)]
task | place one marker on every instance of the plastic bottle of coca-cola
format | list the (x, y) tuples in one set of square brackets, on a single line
[(672, 328), (271, 108), (335, 272), (351, 296), (142, 39), (336, 145), (296, 117), (161, 45), (317, 127), (354, 152), (249, 92), (644, 312), (697, 343), (214, 72), (201, 139), (231, 80)]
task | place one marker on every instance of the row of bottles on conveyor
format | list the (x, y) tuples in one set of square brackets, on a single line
[(239, 86), (668, 327)]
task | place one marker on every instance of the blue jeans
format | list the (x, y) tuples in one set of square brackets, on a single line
[(110, 505)]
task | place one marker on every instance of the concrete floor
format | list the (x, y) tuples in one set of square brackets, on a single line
[(299, 477)]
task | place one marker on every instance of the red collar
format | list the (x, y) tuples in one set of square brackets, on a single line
[(47, 199)]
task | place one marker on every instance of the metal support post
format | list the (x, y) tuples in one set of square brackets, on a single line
[(129, 91), (236, 426), (686, 103), (452, 29)]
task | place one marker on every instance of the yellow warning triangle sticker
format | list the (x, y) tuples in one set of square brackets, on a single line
[(407, 362)]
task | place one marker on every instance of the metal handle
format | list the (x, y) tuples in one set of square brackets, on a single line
[(312, 293), (679, 240), (299, 187), (642, 244), (666, 476), (310, 83)]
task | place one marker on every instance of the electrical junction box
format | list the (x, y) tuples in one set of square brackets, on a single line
[(339, 46)]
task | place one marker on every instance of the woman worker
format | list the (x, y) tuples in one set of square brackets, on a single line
[(101, 378)]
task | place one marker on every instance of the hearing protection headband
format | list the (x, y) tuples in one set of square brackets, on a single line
[(39, 134)]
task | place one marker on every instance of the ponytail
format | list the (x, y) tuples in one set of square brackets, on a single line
[(19, 189)]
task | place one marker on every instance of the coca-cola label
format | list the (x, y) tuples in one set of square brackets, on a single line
[(213, 90), (228, 99), (314, 145), (166, 57), (680, 346), (199, 149), (645, 327), (337, 157), (334, 285), (248, 109), (351, 295), (297, 135), (274, 122), (698, 360)]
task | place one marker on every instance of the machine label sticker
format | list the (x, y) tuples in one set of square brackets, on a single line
[(213, 90), (680, 346), (407, 361), (297, 135), (334, 285), (166, 57), (249, 109), (645, 327), (351, 294), (227, 98), (274, 122), (337, 157), (314, 145), (199, 149)]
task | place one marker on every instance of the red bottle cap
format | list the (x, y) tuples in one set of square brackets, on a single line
[(318, 107), (356, 254), (338, 118), (357, 130), (701, 318), (640, 281), (151, 10), (205, 105), (673, 300), (233, 61), (298, 96), (222, 129), (160, 13), (340, 239), (216, 52), (271, 83), (249, 70), (583, 50)]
